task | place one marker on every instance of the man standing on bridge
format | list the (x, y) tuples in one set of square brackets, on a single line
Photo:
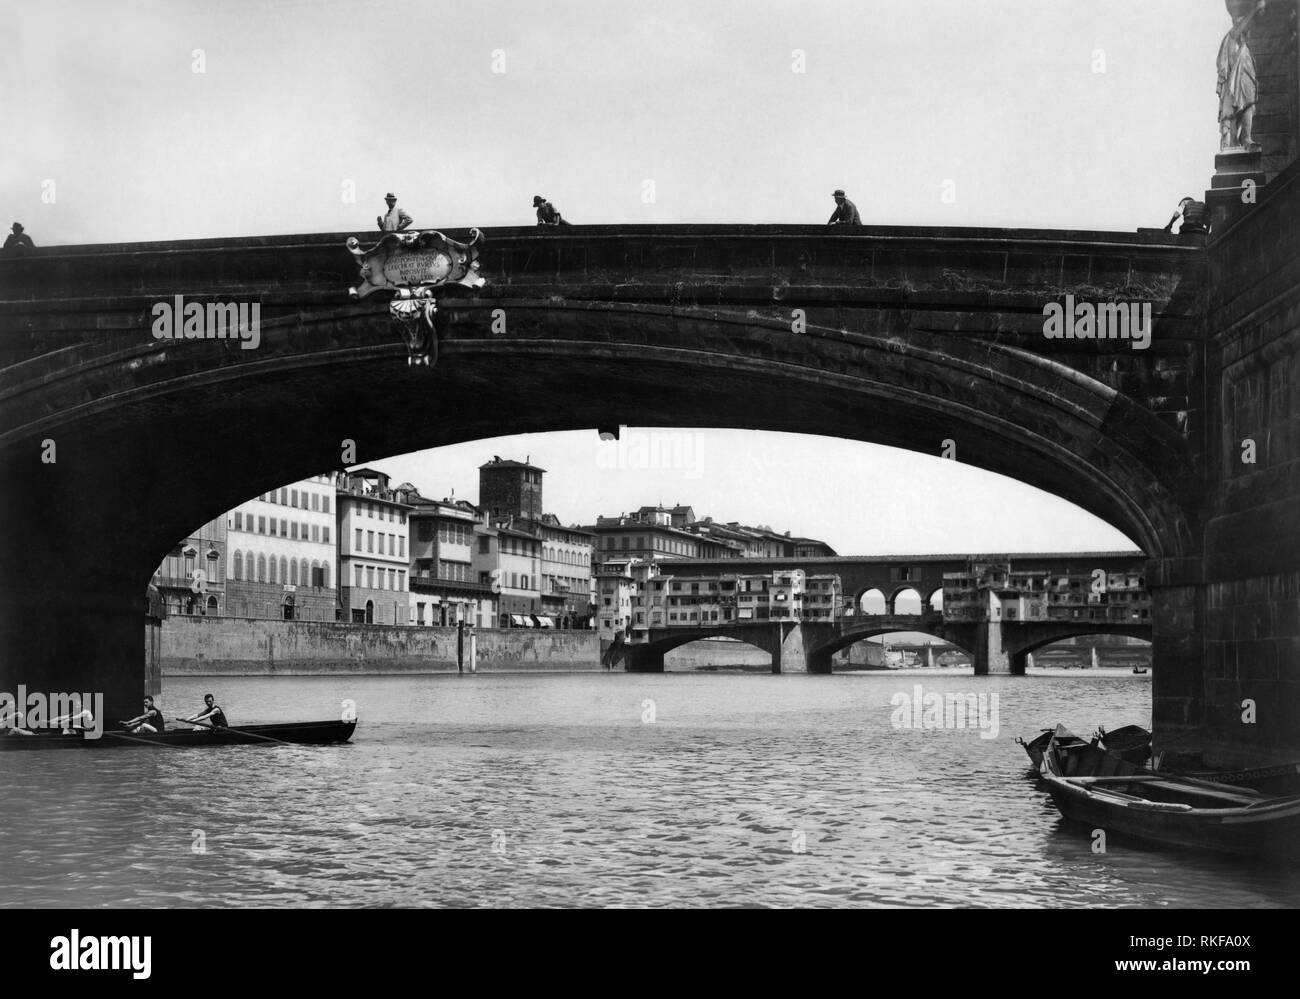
[(19, 240), (396, 220), (846, 212)]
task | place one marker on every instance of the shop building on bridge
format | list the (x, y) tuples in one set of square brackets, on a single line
[(998, 592)]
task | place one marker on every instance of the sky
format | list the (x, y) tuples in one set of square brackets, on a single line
[(127, 121)]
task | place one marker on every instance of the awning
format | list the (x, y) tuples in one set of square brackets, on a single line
[(519, 621), (546, 622)]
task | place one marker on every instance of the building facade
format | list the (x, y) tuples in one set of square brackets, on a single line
[(674, 533), (445, 586), (522, 542), (999, 592), (638, 595), (373, 560), (282, 548), (192, 578)]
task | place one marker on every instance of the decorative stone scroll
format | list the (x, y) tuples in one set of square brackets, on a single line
[(415, 265)]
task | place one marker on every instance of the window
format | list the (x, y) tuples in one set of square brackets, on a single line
[(315, 501), (293, 498), (284, 528), (356, 573), (293, 571), (275, 527), (357, 547), (401, 547), (325, 574), (325, 534), (325, 504), (483, 545), (239, 521), (284, 569), (370, 576), (261, 524), (295, 530), (284, 497), (370, 541), (239, 565), (261, 568), (270, 571), (523, 582), (315, 532)]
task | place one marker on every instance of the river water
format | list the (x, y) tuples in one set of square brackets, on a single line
[(681, 789)]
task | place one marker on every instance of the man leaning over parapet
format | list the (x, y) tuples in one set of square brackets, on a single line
[(846, 212)]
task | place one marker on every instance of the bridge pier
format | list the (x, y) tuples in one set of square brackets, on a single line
[(643, 659), (990, 658), (77, 641)]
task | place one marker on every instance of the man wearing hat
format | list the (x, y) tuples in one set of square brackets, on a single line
[(546, 213), (18, 239), (846, 212), (396, 220)]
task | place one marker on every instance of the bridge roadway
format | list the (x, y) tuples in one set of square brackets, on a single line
[(901, 336), (809, 646)]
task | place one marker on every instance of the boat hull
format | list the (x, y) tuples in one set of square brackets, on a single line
[(1270, 831), (1168, 810), (294, 733)]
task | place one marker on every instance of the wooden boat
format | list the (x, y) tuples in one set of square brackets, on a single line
[(1168, 810), (1036, 746), (1132, 742), (1284, 778), (1096, 749), (298, 733), (1140, 669)]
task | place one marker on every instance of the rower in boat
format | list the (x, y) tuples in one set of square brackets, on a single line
[(14, 722), (76, 720), (211, 715), (150, 721)]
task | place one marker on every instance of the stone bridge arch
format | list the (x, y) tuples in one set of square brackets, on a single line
[(649, 326), (1021, 642)]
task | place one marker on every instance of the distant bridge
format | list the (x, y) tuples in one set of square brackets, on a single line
[(809, 646)]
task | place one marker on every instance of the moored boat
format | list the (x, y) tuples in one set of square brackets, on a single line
[(1168, 810), (1035, 747), (293, 733), (1132, 742)]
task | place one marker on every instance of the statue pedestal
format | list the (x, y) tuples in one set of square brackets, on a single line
[(1230, 191)]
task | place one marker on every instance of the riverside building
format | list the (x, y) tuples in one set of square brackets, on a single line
[(192, 578), (445, 586), (373, 561), (281, 548)]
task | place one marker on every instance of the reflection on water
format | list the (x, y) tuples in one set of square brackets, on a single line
[(518, 790)]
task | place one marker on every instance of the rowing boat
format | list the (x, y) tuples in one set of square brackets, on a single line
[(1132, 742), (300, 733), (1167, 810)]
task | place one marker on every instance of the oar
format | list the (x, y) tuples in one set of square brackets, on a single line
[(227, 728)]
